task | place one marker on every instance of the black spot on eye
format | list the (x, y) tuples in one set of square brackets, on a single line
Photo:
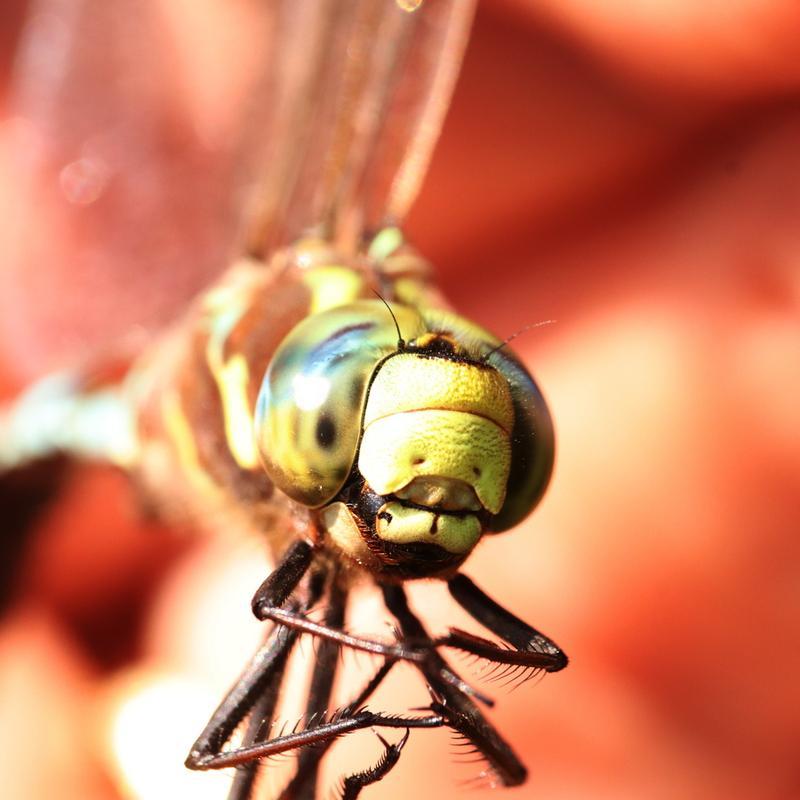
[(476, 472), (326, 432)]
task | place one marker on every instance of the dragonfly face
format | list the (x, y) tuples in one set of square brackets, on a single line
[(410, 450)]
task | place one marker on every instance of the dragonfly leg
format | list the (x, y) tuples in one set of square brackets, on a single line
[(353, 784), (317, 753), (258, 686), (283, 580), (299, 622), (532, 649), (304, 783), (271, 595), (256, 689), (258, 725), (207, 752), (319, 734), (451, 702)]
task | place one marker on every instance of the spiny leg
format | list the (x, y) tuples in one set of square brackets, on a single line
[(533, 649), (267, 601), (299, 622), (269, 598), (263, 713), (260, 719), (266, 668), (303, 785), (450, 702), (322, 734), (353, 784), (355, 704)]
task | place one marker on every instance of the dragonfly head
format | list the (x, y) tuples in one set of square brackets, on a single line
[(411, 451)]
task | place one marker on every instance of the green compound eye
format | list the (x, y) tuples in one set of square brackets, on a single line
[(309, 409), (532, 443)]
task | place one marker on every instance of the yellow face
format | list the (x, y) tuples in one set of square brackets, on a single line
[(410, 452)]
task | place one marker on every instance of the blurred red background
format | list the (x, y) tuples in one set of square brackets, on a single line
[(634, 174)]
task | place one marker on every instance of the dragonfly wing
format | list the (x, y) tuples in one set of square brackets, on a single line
[(357, 110), (142, 134), (127, 154)]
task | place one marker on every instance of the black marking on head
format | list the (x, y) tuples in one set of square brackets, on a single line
[(410, 560), (368, 504), (446, 346), (398, 561), (441, 347), (434, 525), (418, 559), (326, 432)]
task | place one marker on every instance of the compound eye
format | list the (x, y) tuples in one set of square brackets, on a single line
[(311, 402), (532, 443)]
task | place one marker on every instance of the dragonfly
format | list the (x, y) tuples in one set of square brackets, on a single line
[(321, 395)]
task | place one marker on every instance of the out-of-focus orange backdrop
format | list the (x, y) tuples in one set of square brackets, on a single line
[(631, 172)]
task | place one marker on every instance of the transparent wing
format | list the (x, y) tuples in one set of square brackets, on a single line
[(357, 110), (126, 141), (152, 141)]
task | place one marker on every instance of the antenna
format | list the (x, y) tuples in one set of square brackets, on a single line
[(513, 336), (400, 341)]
